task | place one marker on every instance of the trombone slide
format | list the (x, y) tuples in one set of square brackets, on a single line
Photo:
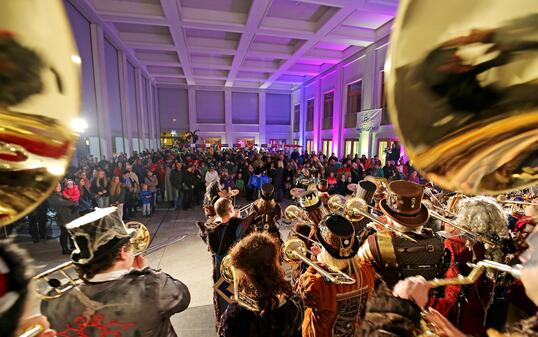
[(33, 331), (477, 271), (472, 235)]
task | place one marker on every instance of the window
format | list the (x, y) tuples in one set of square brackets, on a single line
[(310, 115), (277, 142), (354, 103), (383, 100), (296, 118), (309, 145), (327, 147), (328, 104), (351, 146)]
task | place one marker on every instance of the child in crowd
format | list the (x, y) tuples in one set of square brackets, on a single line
[(152, 182), (240, 182), (331, 181), (146, 198), (71, 191)]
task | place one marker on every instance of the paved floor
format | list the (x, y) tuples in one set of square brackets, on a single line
[(187, 260)]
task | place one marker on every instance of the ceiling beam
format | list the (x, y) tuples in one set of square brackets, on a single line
[(213, 20), (330, 3), (133, 18), (172, 12), (256, 14)]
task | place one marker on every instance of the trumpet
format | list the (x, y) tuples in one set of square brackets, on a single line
[(502, 200), (294, 250), (245, 211), (355, 209), (477, 271), (467, 233), (49, 287), (229, 274)]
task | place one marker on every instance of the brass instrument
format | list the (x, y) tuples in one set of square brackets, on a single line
[(294, 251), (294, 213), (501, 199), (460, 132), (467, 233), (357, 209), (245, 211), (478, 269), (69, 279), (39, 103), (33, 331), (229, 274)]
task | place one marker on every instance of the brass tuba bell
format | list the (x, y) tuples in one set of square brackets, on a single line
[(39, 103), (462, 92)]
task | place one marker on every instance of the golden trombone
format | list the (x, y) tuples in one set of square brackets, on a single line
[(355, 209), (503, 200), (49, 287), (229, 274)]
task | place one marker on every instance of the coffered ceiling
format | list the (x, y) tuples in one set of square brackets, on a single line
[(245, 43)]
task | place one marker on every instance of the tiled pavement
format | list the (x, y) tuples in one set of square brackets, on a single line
[(188, 260)]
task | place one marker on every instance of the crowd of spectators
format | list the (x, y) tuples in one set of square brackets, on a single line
[(178, 179)]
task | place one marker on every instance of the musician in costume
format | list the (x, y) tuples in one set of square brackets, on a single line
[(211, 196), (279, 311), (119, 294), (396, 257), (14, 293), (222, 234), (266, 211), (336, 310)]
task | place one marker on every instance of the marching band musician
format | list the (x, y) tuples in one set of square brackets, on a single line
[(336, 310), (226, 231), (256, 260), (266, 211), (396, 257), (120, 294), (14, 289)]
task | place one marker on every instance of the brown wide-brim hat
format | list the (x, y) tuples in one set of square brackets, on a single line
[(416, 220)]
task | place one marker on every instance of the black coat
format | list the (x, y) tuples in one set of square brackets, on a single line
[(176, 179), (67, 210)]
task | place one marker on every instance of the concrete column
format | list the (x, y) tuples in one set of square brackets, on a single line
[(151, 120), (261, 116), (155, 105), (318, 104), (139, 110), (101, 92), (338, 116), (191, 101), (126, 126), (302, 122), (228, 116)]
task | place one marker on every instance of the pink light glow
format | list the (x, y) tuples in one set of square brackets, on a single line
[(332, 46)]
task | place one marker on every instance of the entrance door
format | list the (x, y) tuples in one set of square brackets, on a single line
[(383, 146)]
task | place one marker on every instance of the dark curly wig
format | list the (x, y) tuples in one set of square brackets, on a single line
[(18, 278), (257, 256)]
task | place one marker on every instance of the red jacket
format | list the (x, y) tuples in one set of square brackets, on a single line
[(72, 193), (470, 316)]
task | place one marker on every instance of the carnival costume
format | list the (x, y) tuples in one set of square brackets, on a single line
[(126, 302), (336, 310), (266, 212)]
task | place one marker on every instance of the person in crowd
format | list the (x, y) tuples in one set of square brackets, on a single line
[(189, 185), (118, 169), (146, 199), (67, 211), (37, 221), (131, 194), (86, 201), (277, 179), (332, 182), (413, 177), (226, 231), (117, 194), (15, 293), (260, 276), (119, 294), (99, 189), (71, 191), (211, 175), (240, 182), (152, 182), (176, 180)]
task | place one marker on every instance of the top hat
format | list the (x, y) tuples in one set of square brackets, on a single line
[(309, 200), (404, 204), (267, 192), (366, 190), (322, 186), (98, 233), (337, 235)]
